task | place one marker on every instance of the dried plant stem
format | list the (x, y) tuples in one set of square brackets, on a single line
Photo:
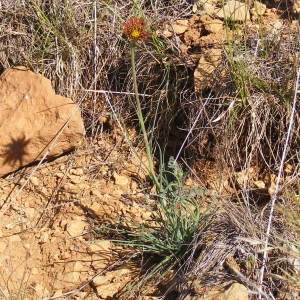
[(95, 67), (141, 118), (277, 187)]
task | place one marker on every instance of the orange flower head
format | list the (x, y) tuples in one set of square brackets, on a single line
[(135, 29)]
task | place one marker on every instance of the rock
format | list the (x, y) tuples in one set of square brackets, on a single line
[(40, 291), (206, 6), (74, 188), (109, 284), (34, 180), (76, 227), (75, 179), (180, 26), (296, 6), (259, 184), (258, 9), (236, 291), (100, 246), (288, 169), (31, 116), (235, 11), (121, 180), (77, 172), (211, 25), (203, 75)]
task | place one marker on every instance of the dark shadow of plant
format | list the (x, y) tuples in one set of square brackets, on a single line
[(15, 151)]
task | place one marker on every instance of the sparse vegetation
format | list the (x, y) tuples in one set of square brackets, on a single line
[(243, 224)]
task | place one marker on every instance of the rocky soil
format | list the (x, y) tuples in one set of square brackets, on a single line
[(47, 241), (52, 212)]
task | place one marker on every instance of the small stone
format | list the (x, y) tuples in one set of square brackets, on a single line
[(211, 25), (77, 172), (258, 9), (272, 189), (60, 175), (236, 291), (296, 6), (73, 188), (44, 237), (100, 245), (288, 169), (204, 73), (235, 11), (207, 6), (259, 184), (81, 295), (110, 284), (76, 227), (121, 180), (180, 26), (34, 180), (75, 179)]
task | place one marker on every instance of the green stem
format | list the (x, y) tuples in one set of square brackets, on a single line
[(141, 118)]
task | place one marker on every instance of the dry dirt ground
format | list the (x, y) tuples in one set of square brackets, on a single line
[(48, 215)]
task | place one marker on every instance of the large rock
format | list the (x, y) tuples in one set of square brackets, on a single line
[(34, 120)]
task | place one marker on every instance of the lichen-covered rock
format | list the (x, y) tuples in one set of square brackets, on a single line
[(34, 121)]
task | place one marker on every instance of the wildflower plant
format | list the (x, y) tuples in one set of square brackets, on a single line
[(176, 215), (135, 30)]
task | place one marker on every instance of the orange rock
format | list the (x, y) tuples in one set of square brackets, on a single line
[(31, 116)]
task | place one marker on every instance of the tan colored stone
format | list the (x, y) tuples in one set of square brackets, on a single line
[(76, 227), (31, 116), (100, 245), (288, 169), (76, 179), (211, 25), (258, 9), (259, 184), (121, 180), (180, 26), (110, 283), (236, 291), (235, 11), (207, 6), (203, 75), (35, 181), (77, 172), (74, 188), (296, 6)]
